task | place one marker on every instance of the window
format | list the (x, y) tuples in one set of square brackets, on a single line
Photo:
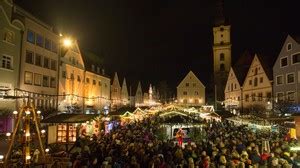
[(187, 84), (105, 85), (239, 98), (46, 62), (228, 88), (290, 78), (29, 57), (222, 57), (38, 60), (290, 96), (255, 72), (53, 65), (255, 81), (283, 62), (64, 74), (46, 81), (99, 83), (48, 44), (37, 79), (30, 36), (289, 46), (72, 76), (196, 93), (87, 80), (261, 80), (53, 82), (235, 86), (269, 96), (221, 35), (231, 86), (279, 80), (280, 96), (184, 93), (260, 95), (28, 78), (78, 78), (66, 133), (250, 82), (194, 85), (247, 98), (296, 58), (222, 67), (39, 40), (6, 62), (253, 96), (94, 82), (54, 47), (9, 36)]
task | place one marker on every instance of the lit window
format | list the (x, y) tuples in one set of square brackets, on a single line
[(6, 62), (290, 78), (46, 62), (39, 40), (29, 57), (296, 58), (283, 62), (53, 82), (53, 65), (28, 77), (37, 79), (38, 60), (279, 80), (46, 81), (30, 36), (48, 44)]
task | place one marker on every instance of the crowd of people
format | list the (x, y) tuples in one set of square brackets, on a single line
[(136, 145)]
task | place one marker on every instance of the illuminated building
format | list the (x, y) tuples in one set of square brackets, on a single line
[(191, 91), (116, 91)]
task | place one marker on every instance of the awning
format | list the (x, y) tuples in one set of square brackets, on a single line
[(69, 118)]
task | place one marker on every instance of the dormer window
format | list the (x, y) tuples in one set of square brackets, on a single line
[(289, 47)]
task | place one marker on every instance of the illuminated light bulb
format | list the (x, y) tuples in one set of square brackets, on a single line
[(8, 134), (47, 150), (15, 112), (38, 112), (43, 131), (27, 134), (27, 112), (28, 157)]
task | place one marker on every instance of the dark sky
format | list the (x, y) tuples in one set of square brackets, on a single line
[(154, 40)]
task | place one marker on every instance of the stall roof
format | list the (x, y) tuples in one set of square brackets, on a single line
[(69, 118)]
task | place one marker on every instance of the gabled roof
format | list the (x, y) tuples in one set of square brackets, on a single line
[(116, 80), (190, 74), (267, 63), (242, 66)]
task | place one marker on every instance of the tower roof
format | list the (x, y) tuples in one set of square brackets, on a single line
[(220, 18)]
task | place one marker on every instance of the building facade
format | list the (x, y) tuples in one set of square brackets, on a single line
[(138, 98), (191, 91), (124, 94), (116, 91), (257, 86), (11, 34), (39, 61), (71, 79), (286, 72)]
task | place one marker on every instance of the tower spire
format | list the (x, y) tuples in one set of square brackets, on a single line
[(219, 15)]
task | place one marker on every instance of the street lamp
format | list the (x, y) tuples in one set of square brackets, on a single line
[(67, 42)]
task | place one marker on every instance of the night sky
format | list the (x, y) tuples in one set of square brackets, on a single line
[(155, 40)]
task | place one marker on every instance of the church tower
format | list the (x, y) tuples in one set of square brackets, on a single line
[(221, 51)]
